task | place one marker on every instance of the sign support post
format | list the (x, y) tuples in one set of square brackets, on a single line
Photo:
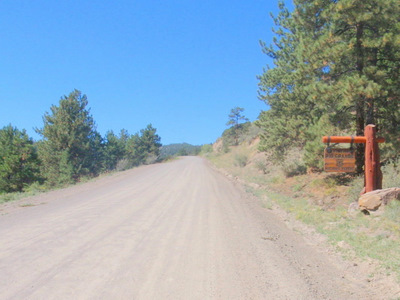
[(373, 174)]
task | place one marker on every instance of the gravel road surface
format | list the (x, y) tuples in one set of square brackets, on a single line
[(177, 230)]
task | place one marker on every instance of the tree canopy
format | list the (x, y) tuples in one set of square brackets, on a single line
[(70, 148), (144, 147), (19, 165), (68, 135), (336, 69)]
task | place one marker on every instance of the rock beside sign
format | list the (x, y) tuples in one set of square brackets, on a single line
[(373, 200)]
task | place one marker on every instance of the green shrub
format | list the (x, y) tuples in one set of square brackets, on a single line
[(291, 169), (123, 164), (261, 165), (241, 160), (293, 164), (151, 159), (35, 188), (225, 147), (9, 197)]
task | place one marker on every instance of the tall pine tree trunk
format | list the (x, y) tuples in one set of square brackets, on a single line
[(370, 101), (360, 132), (360, 105)]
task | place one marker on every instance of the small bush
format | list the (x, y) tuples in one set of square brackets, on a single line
[(291, 169), (35, 188), (9, 197), (241, 160), (225, 147), (261, 165), (330, 182), (123, 165), (151, 159), (293, 163)]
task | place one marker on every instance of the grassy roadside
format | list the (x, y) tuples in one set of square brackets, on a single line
[(321, 201), (37, 188), (29, 191)]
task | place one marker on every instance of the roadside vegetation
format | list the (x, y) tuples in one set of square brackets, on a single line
[(336, 69), (321, 200), (70, 151)]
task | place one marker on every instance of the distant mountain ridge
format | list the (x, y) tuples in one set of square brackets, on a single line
[(179, 149)]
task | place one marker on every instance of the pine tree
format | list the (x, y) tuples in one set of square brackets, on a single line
[(150, 141), (287, 88), (114, 150), (364, 65), (19, 165), (69, 142), (144, 147), (336, 70), (96, 154), (235, 118), (134, 153)]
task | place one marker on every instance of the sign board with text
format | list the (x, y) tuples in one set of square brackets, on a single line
[(340, 160)]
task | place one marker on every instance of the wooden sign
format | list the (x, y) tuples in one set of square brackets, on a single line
[(340, 160), (373, 173)]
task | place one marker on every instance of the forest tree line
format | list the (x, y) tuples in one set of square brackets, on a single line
[(70, 148), (336, 70)]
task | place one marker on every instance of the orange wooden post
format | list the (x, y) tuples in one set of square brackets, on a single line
[(373, 174)]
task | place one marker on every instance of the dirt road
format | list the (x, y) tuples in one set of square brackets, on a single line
[(177, 230)]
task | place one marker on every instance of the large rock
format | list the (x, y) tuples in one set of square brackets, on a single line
[(373, 200)]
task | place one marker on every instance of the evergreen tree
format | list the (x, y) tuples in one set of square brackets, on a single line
[(144, 147), (364, 65), (114, 150), (285, 87), (235, 119), (96, 154), (133, 151), (150, 141), (123, 139), (18, 160), (69, 144), (336, 70)]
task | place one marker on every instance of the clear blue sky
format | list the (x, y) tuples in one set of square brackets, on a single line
[(180, 65)]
